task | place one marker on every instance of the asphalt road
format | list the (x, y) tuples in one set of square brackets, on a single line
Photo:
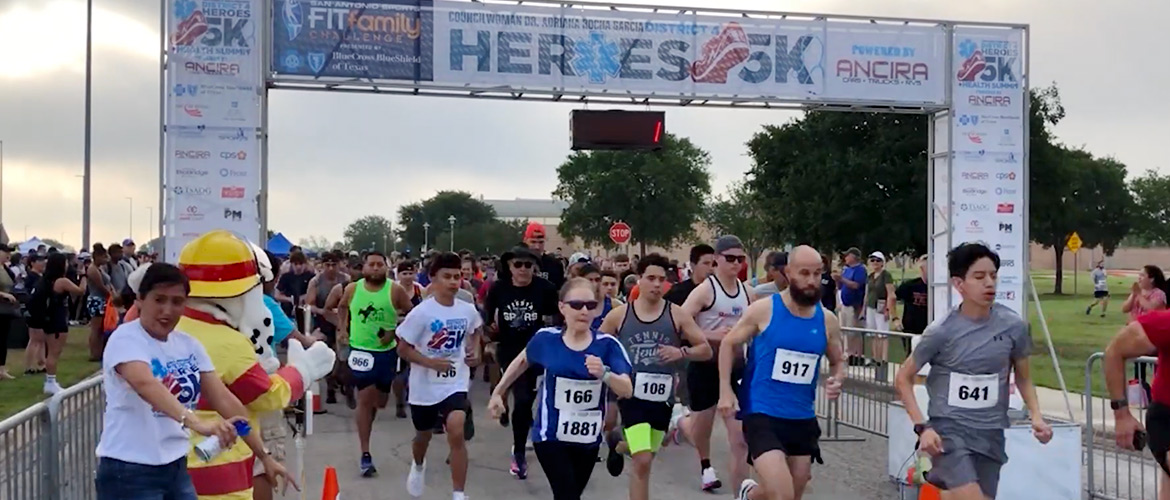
[(852, 470)]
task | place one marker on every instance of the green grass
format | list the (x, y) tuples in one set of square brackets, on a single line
[(16, 395)]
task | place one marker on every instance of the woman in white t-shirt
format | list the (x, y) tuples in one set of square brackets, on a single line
[(154, 377)]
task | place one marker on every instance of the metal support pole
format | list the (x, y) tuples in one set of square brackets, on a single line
[(162, 120), (265, 57), (85, 195), (1, 183)]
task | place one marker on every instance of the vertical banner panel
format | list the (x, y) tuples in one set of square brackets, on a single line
[(988, 141), (214, 80)]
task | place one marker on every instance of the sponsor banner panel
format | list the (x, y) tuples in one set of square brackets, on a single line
[(368, 40), (898, 63), (213, 67)]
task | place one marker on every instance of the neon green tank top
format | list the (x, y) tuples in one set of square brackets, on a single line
[(371, 318)]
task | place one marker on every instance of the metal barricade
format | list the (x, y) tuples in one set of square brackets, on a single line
[(47, 450), (869, 383), (1111, 472)]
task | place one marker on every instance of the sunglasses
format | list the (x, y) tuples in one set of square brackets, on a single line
[(740, 259), (522, 263), (581, 305), (875, 260)]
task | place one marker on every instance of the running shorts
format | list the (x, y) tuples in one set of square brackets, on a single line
[(969, 456), (703, 383), (1158, 430), (795, 438), (426, 418), (1100, 294), (373, 368), (645, 423)]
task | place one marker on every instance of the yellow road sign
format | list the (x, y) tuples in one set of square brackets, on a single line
[(1074, 242)]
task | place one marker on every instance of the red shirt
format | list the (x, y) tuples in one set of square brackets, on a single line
[(1157, 327)]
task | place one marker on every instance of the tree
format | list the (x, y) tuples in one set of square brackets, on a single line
[(492, 237), (1151, 193), (436, 210), (315, 243), (371, 232), (738, 213), (836, 180), (659, 194)]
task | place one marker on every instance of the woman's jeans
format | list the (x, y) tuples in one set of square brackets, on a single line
[(118, 480)]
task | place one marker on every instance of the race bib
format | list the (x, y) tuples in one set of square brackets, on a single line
[(577, 395), (448, 376), (361, 361), (973, 391), (653, 386), (794, 367), (579, 426)]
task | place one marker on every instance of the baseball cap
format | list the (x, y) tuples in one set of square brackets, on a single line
[(127, 242), (854, 251), (84, 255), (727, 242), (777, 260), (878, 255), (579, 257), (534, 230)]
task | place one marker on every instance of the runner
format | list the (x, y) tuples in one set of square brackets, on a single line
[(550, 267), (970, 353), (655, 347), (1100, 289), (324, 319), (702, 259), (405, 277), (518, 305), (580, 365), (716, 307), (441, 337), (369, 319), (787, 333)]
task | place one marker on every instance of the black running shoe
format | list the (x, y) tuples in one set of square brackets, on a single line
[(614, 462)]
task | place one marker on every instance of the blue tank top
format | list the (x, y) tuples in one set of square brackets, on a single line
[(783, 365), (572, 403)]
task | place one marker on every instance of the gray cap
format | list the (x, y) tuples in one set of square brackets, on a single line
[(727, 242)]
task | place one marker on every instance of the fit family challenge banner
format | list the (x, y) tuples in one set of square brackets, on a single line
[(214, 80), (988, 143)]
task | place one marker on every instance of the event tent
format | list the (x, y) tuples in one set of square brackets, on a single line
[(30, 245), (279, 245)]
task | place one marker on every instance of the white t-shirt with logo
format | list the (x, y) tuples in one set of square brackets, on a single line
[(133, 431), (439, 331)]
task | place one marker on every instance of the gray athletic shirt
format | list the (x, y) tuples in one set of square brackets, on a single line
[(978, 356), (642, 340)]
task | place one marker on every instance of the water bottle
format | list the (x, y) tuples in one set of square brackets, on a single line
[(210, 447)]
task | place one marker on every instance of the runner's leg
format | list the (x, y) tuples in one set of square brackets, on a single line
[(523, 397), (559, 468), (738, 450), (775, 479)]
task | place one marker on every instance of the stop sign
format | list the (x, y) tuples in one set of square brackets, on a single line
[(619, 232)]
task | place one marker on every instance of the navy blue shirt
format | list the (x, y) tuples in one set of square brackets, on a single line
[(572, 403), (851, 297)]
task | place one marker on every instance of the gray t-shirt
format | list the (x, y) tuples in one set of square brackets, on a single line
[(1099, 283), (969, 365), (766, 289)]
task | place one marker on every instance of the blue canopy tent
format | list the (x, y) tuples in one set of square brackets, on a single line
[(279, 245)]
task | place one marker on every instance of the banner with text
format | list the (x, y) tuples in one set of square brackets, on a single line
[(988, 175), (214, 83)]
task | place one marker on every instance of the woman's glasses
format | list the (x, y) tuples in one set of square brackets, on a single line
[(581, 305)]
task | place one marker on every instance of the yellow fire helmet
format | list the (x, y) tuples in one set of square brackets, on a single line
[(219, 265)]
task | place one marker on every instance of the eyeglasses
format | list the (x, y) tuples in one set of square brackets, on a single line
[(735, 259), (581, 305), (522, 264), (875, 260)]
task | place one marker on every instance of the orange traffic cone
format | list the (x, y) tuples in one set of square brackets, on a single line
[(318, 408), (331, 490)]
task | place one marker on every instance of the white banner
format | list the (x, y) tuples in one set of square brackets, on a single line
[(214, 80), (987, 187), (539, 48)]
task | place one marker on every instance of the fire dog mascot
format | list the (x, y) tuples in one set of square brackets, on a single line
[(226, 314)]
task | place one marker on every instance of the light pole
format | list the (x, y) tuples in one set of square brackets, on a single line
[(426, 236), (131, 234), (150, 222), (451, 219), (88, 92), (1, 183)]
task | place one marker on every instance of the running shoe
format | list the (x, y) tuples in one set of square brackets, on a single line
[(519, 466), (673, 436), (710, 480), (400, 411), (614, 462), (745, 488), (458, 495), (416, 481), (367, 466), (51, 388)]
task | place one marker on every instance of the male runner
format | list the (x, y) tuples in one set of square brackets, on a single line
[(324, 319), (516, 306), (652, 330), (440, 338), (367, 322), (550, 267), (716, 307), (970, 353), (1100, 289), (702, 259), (788, 333)]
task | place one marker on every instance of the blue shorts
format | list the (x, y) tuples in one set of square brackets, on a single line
[(373, 368)]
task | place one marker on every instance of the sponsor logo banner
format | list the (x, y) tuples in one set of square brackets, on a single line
[(213, 68)]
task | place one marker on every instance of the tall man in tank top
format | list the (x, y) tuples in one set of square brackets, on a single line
[(324, 319), (716, 306), (657, 335), (786, 333), (970, 352), (369, 316)]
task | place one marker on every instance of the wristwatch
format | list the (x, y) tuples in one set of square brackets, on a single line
[(1117, 404), (920, 428), (605, 375)]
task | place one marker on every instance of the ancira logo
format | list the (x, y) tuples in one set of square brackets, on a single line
[(974, 176), (1005, 208), (192, 154), (997, 101)]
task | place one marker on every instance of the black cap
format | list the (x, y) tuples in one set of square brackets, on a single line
[(777, 260), (519, 252)]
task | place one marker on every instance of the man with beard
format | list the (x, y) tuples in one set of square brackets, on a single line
[(786, 334), (516, 306), (368, 318), (654, 332), (551, 268)]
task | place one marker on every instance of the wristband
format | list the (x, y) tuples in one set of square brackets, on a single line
[(605, 376)]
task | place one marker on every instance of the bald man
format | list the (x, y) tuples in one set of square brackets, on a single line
[(788, 333)]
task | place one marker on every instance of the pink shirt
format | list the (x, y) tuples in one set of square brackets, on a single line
[(1157, 296)]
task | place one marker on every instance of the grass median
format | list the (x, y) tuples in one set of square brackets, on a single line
[(16, 395)]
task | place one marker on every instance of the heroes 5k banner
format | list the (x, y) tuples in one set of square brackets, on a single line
[(214, 79), (476, 45)]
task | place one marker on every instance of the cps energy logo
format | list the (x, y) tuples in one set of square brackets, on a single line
[(989, 64)]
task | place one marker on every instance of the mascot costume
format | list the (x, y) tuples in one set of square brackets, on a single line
[(226, 314)]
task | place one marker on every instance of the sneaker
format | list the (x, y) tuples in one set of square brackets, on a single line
[(458, 495), (367, 466), (614, 462), (747, 486), (673, 436), (52, 388), (519, 466), (400, 411), (1088, 310), (417, 479), (331, 397), (710, 480)]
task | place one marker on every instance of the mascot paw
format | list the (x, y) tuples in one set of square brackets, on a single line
[(269, 364), (313, 363)]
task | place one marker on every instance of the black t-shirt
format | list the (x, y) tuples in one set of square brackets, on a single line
[(828, 292), (294, 285), (551, 269), (913, 294), (519, 312), (678, 293), (30, 282)]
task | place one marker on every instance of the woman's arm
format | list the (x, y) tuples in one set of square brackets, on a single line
[(1127, 306), (621, 384), (138, 375), (64, 285)]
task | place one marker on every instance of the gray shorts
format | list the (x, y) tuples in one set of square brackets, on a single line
[(969, 456)]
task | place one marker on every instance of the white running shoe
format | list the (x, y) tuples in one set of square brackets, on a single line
[(52, 388), (673, 436), (458, 495), (747, 486), (417, 479), (710, 480)]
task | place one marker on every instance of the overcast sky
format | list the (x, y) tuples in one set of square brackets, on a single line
[(336, 157)]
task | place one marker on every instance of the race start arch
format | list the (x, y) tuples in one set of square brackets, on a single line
[(224, 56)]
